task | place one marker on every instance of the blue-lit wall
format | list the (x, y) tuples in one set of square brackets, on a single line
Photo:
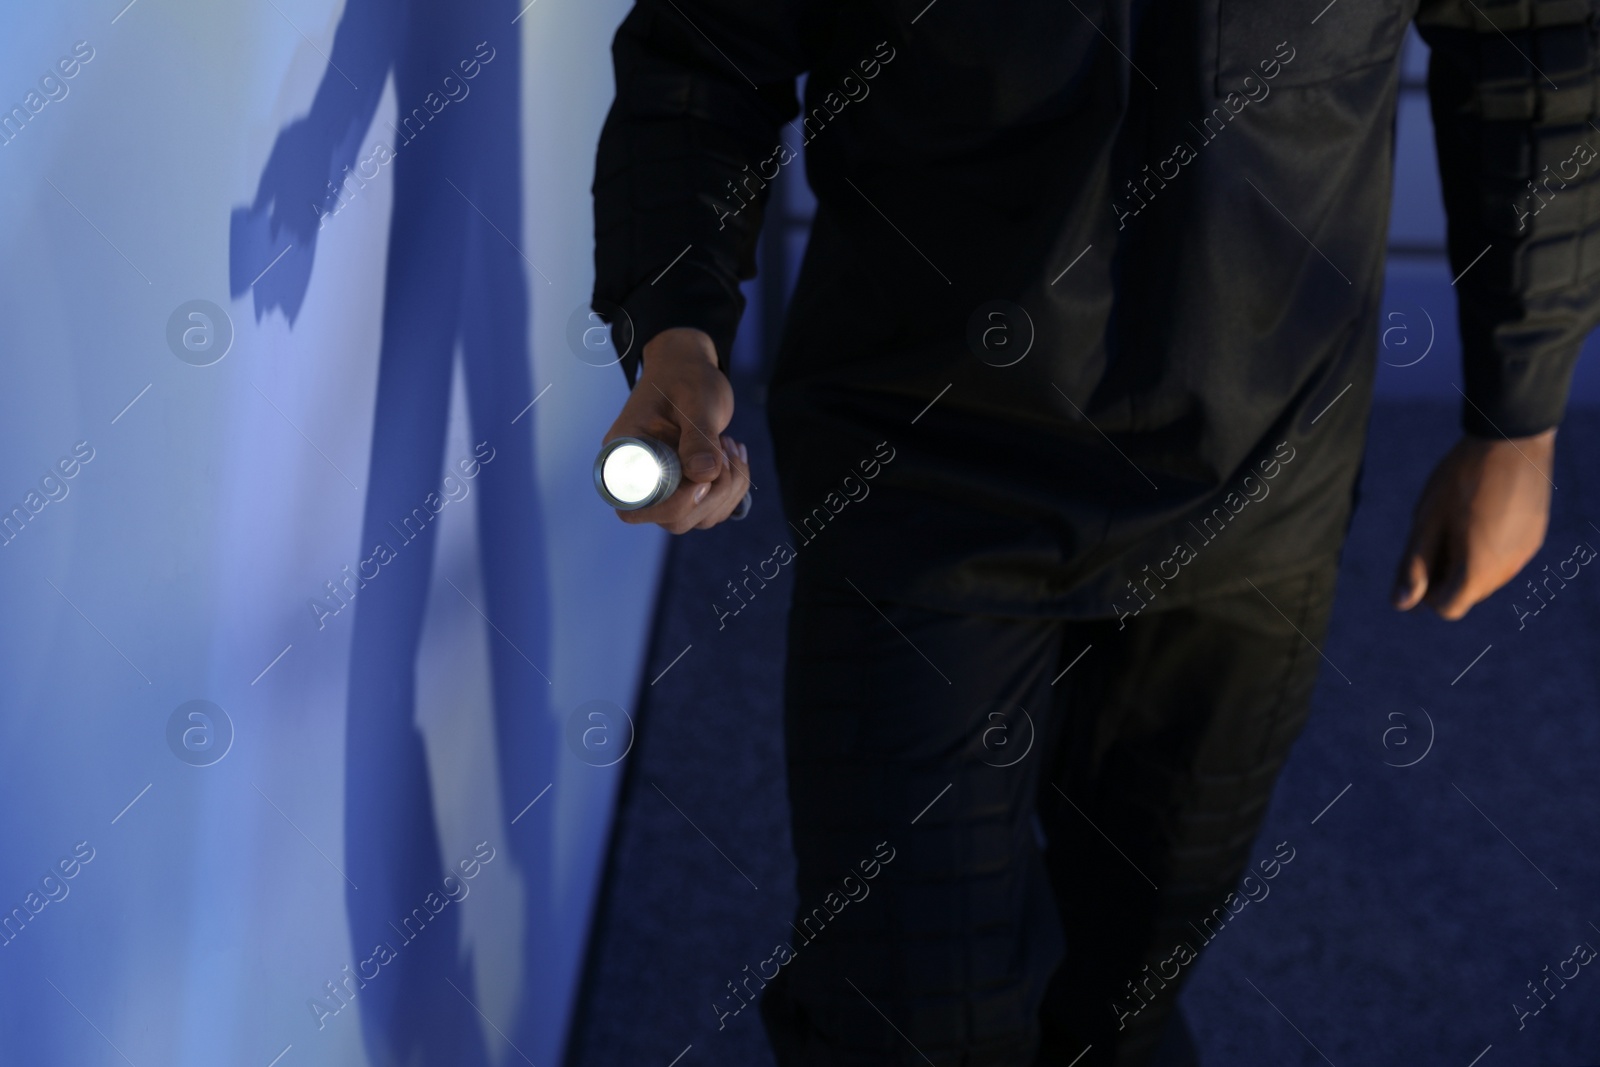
[(180, 883)]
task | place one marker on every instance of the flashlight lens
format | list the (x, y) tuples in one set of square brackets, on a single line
[(631, 473)]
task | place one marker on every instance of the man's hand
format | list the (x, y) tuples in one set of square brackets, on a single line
[(683, 399), (295, 180), (1481, 518)]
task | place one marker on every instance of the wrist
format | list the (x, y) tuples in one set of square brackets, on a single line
[(675, 347), (1544, 440)]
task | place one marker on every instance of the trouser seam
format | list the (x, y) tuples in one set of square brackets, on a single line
[(1308, 601)]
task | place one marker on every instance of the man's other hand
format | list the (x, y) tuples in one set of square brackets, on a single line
[(682, 398), (1480, 519)]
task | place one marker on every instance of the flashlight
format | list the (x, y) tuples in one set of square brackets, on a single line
[(636, 472)]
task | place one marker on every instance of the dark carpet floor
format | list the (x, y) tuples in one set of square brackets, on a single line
[(1421, 902)]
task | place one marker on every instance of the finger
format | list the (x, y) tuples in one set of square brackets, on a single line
[(1411, 575), (701, 454), (1447, 579), (1450, 599), (676, 514), (1448, 593), (729, 488), (1411, 583)]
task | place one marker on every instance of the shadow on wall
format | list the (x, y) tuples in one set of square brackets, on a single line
[(451, 277)]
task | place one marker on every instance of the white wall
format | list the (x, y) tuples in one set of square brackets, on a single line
[(181, 560)]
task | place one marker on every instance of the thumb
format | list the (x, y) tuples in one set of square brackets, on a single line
[(1416, 562), (700, 459), (699, 453)]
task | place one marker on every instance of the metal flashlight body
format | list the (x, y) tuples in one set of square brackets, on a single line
[(636, 472)]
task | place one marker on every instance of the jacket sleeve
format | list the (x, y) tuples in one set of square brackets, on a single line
[(692, 139), (1513, 91)]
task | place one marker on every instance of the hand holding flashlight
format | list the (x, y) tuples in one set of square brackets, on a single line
[(677, 410), (635, 472)]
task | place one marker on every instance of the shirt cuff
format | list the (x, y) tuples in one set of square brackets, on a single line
[(1514, 395), (684, 295)]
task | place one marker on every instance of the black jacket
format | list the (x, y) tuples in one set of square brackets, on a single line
[(1105, 275)]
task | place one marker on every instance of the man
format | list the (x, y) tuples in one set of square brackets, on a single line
[(1091, 300)]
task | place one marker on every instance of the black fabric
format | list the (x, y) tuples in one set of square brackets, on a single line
[(1184, 213), (936, 738)]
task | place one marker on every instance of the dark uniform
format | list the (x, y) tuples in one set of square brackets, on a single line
[(1103, 279)]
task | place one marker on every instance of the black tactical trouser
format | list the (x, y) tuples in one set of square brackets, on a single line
[(954, 744)]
